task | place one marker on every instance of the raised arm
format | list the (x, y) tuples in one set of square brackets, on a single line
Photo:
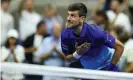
[(77, 54)]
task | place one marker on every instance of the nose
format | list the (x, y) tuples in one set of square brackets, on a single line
[(68, 18)]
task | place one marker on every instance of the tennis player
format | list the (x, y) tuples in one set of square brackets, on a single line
[(89, 44)]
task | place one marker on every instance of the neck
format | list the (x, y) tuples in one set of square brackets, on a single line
[(118, 11), (4, 10), (30, 10), (38, 33), (78, 29), (55, 37)]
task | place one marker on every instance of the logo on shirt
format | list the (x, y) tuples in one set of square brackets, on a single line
[(64, 47)]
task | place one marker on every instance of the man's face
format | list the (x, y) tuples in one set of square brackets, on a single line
[(57, 30), (29, 4), (5, 5), (114, 5), (43, 29), (98, 19), (73, 19)]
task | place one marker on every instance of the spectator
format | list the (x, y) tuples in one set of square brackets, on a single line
[(129, 9), (50, 51), (101, 19), (128, 4), (116, 17), (7, 21), (51, 17), (126, 61), (33, 42), (12, 52), (28, 19)]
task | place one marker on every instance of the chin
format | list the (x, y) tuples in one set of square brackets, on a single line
[(70, 27)]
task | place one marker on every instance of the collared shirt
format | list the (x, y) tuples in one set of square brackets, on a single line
[(50, 23), (27, 23), (121, 19), (46, 47), (37, 42), (99, 54), (127, 56)]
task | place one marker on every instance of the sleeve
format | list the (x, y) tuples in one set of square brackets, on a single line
[(28, 42), (20, 54), (102, 37), (65, 45), (59, 47), (108, 39), (130, 55), (4, 53), (127, 24)]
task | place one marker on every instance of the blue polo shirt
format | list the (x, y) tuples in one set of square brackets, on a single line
[(99, 55)]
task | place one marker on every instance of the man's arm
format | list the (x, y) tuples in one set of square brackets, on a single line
[(80, 50), (45, 56), (60, 54), (30, 50), (118, 46), (129, 67)]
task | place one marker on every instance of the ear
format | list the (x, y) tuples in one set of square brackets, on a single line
[(82, 18)]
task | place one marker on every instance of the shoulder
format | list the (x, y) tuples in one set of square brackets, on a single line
[(47, 39), (20, 48), (93, 27), (129, 43), (122, 15), (3, 48), (10, 17), (30, 37), (66, 33)]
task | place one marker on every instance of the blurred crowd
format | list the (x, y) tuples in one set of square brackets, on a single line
[(34, 38)]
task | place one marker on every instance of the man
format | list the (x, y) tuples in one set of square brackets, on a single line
[(28, 18), (51, 17), (101, 19), (116, 17), (32, 44), (50, 51), (88, 44), (7, 21), (126, 60)]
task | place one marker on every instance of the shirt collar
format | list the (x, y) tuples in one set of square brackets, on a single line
[(58, 40), (83, 31)]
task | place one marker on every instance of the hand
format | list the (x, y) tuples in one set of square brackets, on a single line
[(12, 48), (111, 67), (54, 47), (82, 48), (33, 49)]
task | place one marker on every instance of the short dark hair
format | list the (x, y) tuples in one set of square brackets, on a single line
[(102, 13), (119, 1), (5, 1), (122, 34), (80, 7), (40, 23)]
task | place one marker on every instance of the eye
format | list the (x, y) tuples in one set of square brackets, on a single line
[(73, 15)]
